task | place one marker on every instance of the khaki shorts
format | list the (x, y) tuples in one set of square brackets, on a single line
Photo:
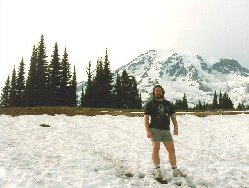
[(161, 135)]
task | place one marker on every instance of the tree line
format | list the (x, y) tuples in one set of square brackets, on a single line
[(53, 84), (221, 101), (47, 84)]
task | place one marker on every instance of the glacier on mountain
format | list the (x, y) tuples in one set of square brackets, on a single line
[(184, 72)]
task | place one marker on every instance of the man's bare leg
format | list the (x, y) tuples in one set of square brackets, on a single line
[(172, 159), (156, 160), (171, 151), (155, 153)]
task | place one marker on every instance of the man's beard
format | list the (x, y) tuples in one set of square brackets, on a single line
[(158, 96)]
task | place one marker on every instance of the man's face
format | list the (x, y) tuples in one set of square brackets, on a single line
[(158, 93)]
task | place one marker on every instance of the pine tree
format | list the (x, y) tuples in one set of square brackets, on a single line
[(107, 84), (42, 75), (13, 89), (98, 83), (227, 103), (178, 104), (215, 101), (200, 107), (55, 78), (20, 84), (221, 105), (134, 96), (140, 100), (126, 92), (82, 98), (230, 104), (181, 104), (5, 96), (102, 84), (73, 94), (66, 79), (118, 93), (204, 106), (32, 81), (89, 98), (184, 102), (125, 88), (241, 106)]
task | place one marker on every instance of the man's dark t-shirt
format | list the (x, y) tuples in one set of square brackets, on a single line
[(160, 112)]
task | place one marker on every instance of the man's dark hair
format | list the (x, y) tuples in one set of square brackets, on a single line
[(158, 86)]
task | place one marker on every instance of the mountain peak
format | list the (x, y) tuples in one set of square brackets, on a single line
[(182, 72)]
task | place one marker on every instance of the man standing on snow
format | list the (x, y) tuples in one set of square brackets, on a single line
[(160, 112)]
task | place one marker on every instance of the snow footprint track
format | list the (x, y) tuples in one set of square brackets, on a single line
[(124, 171)]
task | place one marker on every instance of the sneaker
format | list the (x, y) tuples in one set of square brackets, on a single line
[(178, 173), (158, 174)]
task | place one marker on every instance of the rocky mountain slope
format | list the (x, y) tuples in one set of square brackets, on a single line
[(183, 72)]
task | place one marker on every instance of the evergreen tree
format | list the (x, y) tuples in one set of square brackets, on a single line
[(181, 104), (209, 106), (13, 89), (227, 103), (184, 102), (5, 96), (220, 101), (224, 100), (102, 84), (107, 83), (31, 83), (55, 78), (82, 98), (42, 75), (66, 79), (125, 89), (199, 106), (89, 98), (20, 84), (130, 97), (140, 100), (133, 94), (215, 101), (241, 106), (118, 93), (204, 107), (73, 94), (98, 83), (178, 104)]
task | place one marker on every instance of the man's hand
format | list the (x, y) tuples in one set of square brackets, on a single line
[(146, 125), (175, 130), (149, 134), (173, 119)]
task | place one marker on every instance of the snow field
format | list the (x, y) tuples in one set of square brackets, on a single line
[(113, 151)]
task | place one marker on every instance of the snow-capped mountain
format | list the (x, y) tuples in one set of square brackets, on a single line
[(183, 72)]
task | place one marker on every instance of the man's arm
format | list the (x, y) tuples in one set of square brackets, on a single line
[(146, 125), (174, 121)]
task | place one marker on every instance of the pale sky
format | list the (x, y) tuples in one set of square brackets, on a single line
[(212, 28)]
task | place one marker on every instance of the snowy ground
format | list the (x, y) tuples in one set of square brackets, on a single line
[(113, 151)]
